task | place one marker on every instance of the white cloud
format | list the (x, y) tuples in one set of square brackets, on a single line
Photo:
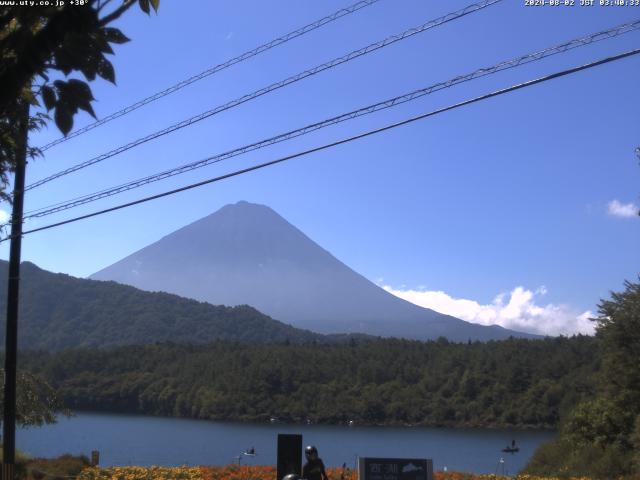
[(517, 310), (4, 216), (623, 210)]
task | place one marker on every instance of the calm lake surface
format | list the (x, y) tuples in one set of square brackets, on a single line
[(143, 440)]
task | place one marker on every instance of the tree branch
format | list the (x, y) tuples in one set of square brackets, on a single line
[(116, 13), (102, 4)]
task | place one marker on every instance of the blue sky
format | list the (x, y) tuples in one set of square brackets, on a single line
[(504, 211)]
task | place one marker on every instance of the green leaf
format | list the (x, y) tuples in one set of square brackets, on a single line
[(64, 118), (101, 44), (80, 89), (105, 70), (73, 95), (144, 6), (114, 35), (30, 97), (48, 97), (90, 67), (155, 4), (86, 106), (78, 95), (72, 54)]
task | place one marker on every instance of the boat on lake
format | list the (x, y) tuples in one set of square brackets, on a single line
[(511, 449)]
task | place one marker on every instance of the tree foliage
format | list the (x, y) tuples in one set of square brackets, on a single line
[(41, 42), (601, 436), (36, 401), (512, 383), (619, 329), (58, 311)]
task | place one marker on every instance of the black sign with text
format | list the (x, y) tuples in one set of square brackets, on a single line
[(289, 455), (395, 469)]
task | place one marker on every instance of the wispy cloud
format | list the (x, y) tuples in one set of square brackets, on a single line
[(4, 216), (517, 310), (622, 210)]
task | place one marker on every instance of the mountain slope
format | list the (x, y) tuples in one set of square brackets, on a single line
[(248, 254), (58, 311)]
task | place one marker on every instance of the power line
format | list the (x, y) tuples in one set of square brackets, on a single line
[(338, 142), (274, 86), (515, 62), (240, 58)]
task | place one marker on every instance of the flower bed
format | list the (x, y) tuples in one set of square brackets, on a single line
[(249, 472), (141, 473)]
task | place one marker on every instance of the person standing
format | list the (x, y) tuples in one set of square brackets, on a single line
[(314, 468)]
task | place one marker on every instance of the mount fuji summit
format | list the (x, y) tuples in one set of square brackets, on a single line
[(246, 253)]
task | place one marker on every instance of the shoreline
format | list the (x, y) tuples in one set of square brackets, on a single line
[(293, 423)]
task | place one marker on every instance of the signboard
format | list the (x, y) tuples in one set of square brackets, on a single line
[(289, 455), (395, 469)]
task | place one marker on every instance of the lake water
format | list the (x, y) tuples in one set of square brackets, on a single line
[(143, 440)]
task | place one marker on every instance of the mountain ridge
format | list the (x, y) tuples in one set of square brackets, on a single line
[(247, 253), (58, 311)]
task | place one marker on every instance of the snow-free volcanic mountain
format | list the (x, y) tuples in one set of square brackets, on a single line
[(248, 254)]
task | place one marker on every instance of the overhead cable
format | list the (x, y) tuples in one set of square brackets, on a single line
[(514, 62), (336, 143), (270, 88), (218, 68)]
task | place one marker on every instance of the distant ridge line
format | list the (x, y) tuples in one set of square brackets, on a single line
[(247, 253)]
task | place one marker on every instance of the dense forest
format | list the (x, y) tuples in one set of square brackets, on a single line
[(524, 383), (58, 311), (600, 437), (166, 355)]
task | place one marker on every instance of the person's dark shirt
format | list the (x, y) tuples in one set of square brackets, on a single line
[(314, 470)]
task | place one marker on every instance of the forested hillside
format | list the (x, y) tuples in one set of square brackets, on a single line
[(524, 383), (58, 311), (600, 437)]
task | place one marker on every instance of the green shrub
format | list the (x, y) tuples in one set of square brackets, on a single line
[(55, 468), (563, 459)]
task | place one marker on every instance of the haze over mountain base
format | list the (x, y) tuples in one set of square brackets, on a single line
[(248, 254)]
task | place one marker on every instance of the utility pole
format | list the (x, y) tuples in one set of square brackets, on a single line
[(11, 348)]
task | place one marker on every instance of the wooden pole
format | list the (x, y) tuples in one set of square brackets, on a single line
[(11, 348)]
